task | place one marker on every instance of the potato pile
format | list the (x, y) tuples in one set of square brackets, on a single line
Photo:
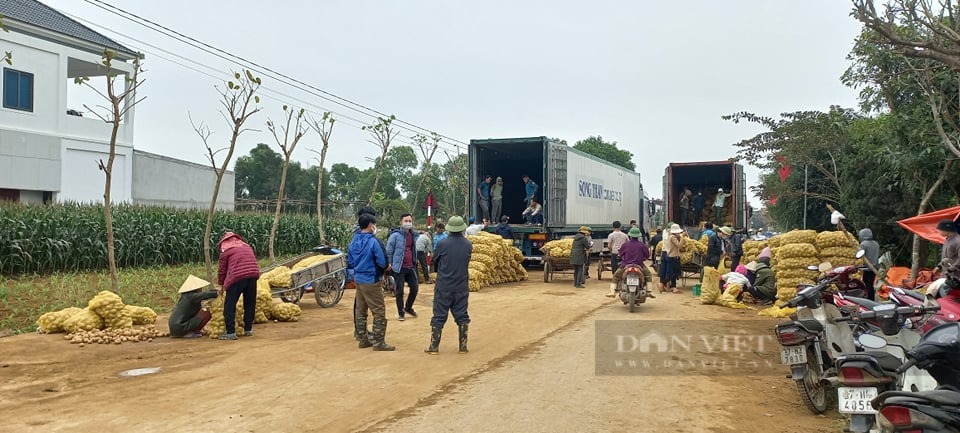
[(495, 260), (690, 246), (310, 261), (140, 315), (752, 250), (279, 276), (115, 336), (796, 252), (85, 320), (774, 244), (217, 325), (559, 247), (109, 306), (105, 310), (55, 321), (837, 248), (285, 312)]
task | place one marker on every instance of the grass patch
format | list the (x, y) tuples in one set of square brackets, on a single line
[(25, 298)]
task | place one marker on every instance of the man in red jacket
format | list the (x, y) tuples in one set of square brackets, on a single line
[(238, 276)]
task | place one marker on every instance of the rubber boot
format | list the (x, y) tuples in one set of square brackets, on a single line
[(613, 290), (434, 348), (463, 337), (363, 338), (379, 334)]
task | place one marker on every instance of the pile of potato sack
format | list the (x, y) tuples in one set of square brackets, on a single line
[(494, 261), (105, 320)]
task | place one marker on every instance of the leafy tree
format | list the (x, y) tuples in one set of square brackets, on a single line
[(120, 104), (257, 175), (345, 182), (559, 141), (606, 151), (239, 102)]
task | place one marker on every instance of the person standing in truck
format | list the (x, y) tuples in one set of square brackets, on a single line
[(483, 197), (530, 189), (698, 203), (685, 207), (496, 200), (718, 206)]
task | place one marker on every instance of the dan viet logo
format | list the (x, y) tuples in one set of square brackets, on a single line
[(693, 347)]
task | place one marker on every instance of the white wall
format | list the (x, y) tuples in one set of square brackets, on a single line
[(163, 181), (600, 194), (82, 179)]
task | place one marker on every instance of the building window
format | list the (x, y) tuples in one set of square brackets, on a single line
[(17, 90)]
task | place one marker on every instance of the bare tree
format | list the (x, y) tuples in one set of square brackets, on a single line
[(427, 149), (120, 105), (323, 127), (287, 145), (238, 103), (382, 131), (916, 28)]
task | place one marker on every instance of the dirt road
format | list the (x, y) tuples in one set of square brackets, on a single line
[(531, 367)]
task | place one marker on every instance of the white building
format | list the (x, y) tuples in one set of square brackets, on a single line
[(49, 149)]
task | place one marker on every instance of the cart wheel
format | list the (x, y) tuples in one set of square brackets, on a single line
[(600, 270), (292, 296), (546, 272), (328, 291)]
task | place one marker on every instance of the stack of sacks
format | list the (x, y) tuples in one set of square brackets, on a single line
[(105, 310), (751, 250), (690, 246), (774, 245), (838, 248), (495, 260), (796, 252), (310, 261), (279, 276), (558, 248)]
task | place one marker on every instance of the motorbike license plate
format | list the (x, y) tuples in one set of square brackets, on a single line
[(793, 355), (856, 400), (633, 280)]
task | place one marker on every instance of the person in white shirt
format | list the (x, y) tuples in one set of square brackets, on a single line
[(760, 236), (615, 240), (534, 213), (474, 228)]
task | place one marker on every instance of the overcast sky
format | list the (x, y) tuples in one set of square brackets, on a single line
[(654, 76)]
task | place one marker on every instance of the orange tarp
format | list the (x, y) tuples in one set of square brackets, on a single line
[(926, 225)]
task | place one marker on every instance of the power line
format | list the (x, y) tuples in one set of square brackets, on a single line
[(221, 53), (359, 124)]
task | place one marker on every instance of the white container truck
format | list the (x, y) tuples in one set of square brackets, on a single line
[(576, 189)]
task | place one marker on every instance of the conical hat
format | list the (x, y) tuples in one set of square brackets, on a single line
[(193, 283)]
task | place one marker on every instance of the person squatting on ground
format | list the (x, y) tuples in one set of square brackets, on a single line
[(237, 275), (496, 199), (670, 266), (424, 248), (452, 291), (764, 287), (483, 197), (615, 240), (188, 317), (401, 250), (366, 259), (578, 255), (633, 252), (871, 253), (533, 214)]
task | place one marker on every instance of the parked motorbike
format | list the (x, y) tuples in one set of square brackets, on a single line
[(863, 375), (940, 291), (812, 342), (938, 353), (632, 289)]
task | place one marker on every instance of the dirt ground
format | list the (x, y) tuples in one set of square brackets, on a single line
[(531, 367)]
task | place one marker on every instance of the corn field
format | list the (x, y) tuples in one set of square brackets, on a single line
[(71, 237)]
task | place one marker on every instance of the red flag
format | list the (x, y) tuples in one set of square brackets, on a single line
[(784, 168), (773, 201)]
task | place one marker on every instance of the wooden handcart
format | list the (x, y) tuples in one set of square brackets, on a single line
[(694, 269), (555, 265), (326, 279)]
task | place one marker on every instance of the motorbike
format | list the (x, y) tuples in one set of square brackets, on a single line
[(632, 289), (812, 342), (940, 291), (863, 375), (938, 410)]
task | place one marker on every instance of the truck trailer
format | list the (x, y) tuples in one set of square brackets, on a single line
[(706, 178), (576, 189)]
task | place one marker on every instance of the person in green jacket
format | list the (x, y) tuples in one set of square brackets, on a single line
[(765, 282), (188, 317), (578, 255)]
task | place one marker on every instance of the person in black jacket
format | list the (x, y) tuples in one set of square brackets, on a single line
[(188, 317), (504, 229), (714, 250), (452, 290)]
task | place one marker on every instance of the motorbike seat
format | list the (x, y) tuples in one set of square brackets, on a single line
[(914, 294), (811, 325), (939, 397), (888, 362), (864, 302)]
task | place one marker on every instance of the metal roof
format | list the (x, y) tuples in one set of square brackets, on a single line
[(40, 15)]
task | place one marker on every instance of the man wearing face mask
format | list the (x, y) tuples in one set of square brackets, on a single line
[(401, 259)]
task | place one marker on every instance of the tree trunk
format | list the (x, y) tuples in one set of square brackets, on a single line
[(213, 206), (276, 213), (323, 159), (376, 179), (924, 202), (107, 209)]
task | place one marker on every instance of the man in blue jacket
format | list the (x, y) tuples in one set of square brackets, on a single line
[(401, 259), (452, 291), (530, 188), (365, 258)]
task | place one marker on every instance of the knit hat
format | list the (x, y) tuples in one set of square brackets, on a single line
[(765, 253), (634, 233)]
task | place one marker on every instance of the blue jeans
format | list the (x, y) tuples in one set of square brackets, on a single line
[(534, 219)]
